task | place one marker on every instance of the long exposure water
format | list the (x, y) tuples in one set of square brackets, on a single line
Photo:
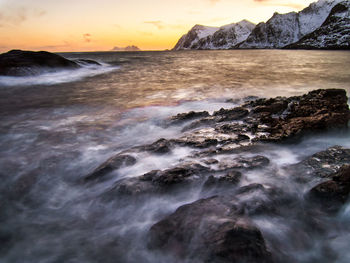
[(58, 127)]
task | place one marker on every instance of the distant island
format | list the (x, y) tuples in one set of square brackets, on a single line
[(128, 48), (324, 24)]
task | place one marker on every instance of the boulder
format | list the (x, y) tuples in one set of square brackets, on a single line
[(209, 230)]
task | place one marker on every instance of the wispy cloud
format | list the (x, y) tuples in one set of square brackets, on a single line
[(279, 3), (87, 37), (158, 24), (16, 16)]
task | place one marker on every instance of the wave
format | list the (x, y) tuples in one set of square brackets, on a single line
[(58, 77)]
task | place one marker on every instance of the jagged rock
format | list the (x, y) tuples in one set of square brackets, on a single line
[(335, 192), (333, 34), (229, 179), (21, 63), (161, 146), (322, 164), (159, 181), (209, 230), (187, 116), (114, 163)]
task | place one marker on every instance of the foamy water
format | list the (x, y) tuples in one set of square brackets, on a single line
[(57, 129)]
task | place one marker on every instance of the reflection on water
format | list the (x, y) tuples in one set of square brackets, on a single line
[(53, 135)]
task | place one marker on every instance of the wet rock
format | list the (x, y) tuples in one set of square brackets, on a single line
[(187, 116), (22, 63), (157, 181), (230, 114), (230, 179), (161, 146), (114, 163), (87, 62), (244, 162), (209, 230), (335, 192), (322, 164)]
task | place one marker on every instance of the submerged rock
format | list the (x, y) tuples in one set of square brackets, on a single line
[(335, 192), (209, 230), (113, 163)]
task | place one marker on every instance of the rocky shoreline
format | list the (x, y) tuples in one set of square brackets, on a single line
[(221, 225)]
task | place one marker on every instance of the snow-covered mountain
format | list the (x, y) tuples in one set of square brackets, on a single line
[(283, 29), (225, 37), (334, 32), (279, 31)]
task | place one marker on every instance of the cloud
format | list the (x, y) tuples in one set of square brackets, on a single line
[(16, 16), (286, 4), (158, 24), (87, 37)]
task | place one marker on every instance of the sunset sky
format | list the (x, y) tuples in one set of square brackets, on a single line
[(96, 25)]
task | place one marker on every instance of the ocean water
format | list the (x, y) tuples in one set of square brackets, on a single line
[(58, 127)]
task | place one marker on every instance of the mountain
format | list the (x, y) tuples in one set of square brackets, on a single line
[(128, 48), (279, 31), (334, 33), (225, 37)]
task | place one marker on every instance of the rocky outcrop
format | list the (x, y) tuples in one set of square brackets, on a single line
[(23, 63), (233, 130), (210, 230), (333, 34)]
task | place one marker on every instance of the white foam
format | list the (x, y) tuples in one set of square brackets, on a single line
[(58, 77)]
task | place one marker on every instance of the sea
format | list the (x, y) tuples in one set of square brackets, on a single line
[(57, 127)]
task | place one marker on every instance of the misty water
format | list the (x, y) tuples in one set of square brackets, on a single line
[(58, 127)]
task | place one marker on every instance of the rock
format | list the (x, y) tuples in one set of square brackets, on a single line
[(335, 192), (322, 164), (114, 163), (230, 179), (209, 230), (22, 63), (157, 181), (161, 146), (230, 114), (244, 162), (187, 116)]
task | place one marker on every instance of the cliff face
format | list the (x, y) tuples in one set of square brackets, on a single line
[(334, 33), (283, 29)]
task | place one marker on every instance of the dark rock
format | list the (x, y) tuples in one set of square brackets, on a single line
[(322, 164), (227, 180), (188, 116), (335, 192), (231, 114), (157, 181), (22, 63), (209, 230), (114, 163), (161, 146)]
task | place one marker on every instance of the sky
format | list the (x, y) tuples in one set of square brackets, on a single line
[(100, 25)]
